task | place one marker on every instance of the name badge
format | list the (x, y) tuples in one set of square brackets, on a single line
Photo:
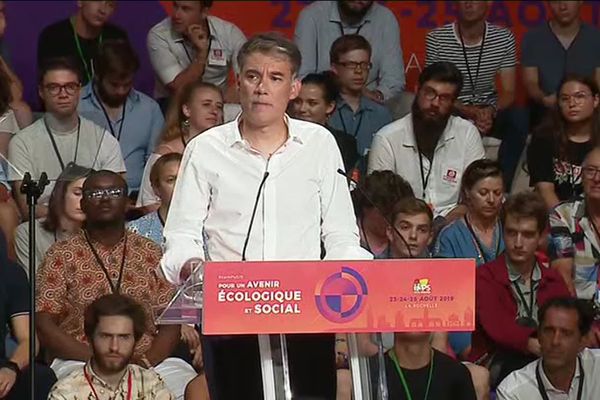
[(450, 176), (217, 57)]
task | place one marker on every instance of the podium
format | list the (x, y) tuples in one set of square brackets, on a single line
[(275, 298)]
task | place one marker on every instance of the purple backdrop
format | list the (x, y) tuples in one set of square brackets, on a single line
[(26, 19)]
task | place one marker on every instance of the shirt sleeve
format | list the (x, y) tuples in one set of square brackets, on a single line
[(305, 37), (18, 302), (539, 161), (473, 146), (238, 39), (381, 155), (147, 196), (163, 291), (431, 48), (184, 227), (19, 159), (444, 248), (505, 389), (51, 289), (510, 56), (561, 241), (22, 245), (528, 54), (392, 79), (109, 154), (164, 62), (339, 231)]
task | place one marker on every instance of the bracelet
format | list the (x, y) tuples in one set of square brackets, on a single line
[(13, 366)]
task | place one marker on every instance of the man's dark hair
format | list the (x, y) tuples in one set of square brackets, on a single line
[(271, 43), (442, 71), (112, 305), (326, 82), (384, 188), (526, 205), (584, 308), (411, 206), (347, 43), (56, 64), (116, 58), (105, 172)]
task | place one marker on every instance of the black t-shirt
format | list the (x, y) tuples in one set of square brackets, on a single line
[(348, 148), (58, 40), (545, 165), (450, 380)]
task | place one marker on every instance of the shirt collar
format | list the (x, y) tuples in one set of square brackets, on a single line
[(548, 385), (363, 104), (234, 136), (97, 379), (514, 276), (88, 94)]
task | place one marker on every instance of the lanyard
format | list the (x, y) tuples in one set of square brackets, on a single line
[(115, 289), (88, 73), (464, 50), (89, 381), (542, 389), (108, 121), (403, 379), (60, 160), (357, 29), (477, 243), (528, 307), (424, 178), (357, 125)]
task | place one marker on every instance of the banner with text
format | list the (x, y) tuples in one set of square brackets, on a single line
[(339, 296)]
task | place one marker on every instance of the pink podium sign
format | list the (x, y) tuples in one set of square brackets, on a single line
[(339, 296)]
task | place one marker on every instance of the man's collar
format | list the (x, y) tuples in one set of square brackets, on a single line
[(89, 93), (514, 276), (97, 379), (550, 387), (364, 104), (234, 136)]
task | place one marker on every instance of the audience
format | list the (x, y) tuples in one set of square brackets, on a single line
[(355, 114), (105, 258), (64, 218), (322, 22), (440, 144), (111, 102), (560, 144), (510, 290), (566, 368), (191, 45), (562, 46), (60, 136), (373, 203), (196, 108), (113, 325), (14, 319), (79, 36), (316, 103)]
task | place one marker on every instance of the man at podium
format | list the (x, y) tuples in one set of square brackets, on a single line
[(262, 187)]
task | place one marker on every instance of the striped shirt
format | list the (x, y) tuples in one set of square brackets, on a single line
[(499, 52)]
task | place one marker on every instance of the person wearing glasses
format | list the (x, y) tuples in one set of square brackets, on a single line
[(430, 147), (100, 259), (60, 137), (561, 142), (355, 114)]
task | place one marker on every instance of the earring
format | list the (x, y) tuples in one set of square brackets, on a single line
[(185, 124)]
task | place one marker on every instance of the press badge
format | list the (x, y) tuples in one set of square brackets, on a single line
[(451, 176), (217, 57)]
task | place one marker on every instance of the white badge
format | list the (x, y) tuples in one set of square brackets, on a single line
[(217, 57)]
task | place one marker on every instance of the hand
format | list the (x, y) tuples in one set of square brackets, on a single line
[(187, 268), (7, 380), (190, 336), (549, 101), (197, 361), (374, 95), (533, 346), (199, 38), (484, 119)]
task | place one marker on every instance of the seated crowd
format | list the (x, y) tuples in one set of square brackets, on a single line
[(424, 177)]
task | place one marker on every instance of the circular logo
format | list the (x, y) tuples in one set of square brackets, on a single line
[(341, 296)]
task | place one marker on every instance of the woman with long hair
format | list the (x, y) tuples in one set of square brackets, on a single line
[(196, 108), (562, 141), (64, 216)]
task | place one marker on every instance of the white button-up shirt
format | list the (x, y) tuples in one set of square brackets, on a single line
[(304, 200), (394, 148), (522, 384), (170, 54)]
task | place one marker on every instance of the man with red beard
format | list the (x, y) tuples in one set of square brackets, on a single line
[(430, 147), (113, 325)]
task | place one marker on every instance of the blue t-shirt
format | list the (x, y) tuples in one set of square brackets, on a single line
[(148, 226)]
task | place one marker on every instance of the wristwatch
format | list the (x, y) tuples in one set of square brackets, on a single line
[(12, 366)]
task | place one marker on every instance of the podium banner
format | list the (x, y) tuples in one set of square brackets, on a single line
[(339, 296)]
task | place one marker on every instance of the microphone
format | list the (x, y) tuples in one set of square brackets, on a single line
[(260, 188), (385, 217)]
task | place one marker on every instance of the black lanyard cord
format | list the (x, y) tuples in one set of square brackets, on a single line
[(478, 244), (357, 29), (117, 288), (424, 178), (55, 147), (464, 50), (542, 389), (108, 120), (528, 307), (357, 126)]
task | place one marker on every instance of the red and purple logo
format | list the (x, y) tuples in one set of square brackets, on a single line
[(341, 296)]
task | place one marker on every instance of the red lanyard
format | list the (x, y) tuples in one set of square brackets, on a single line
[(89, 381)]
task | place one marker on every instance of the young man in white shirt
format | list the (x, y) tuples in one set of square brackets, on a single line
[(566, 369), (286, 168), (430, 147)]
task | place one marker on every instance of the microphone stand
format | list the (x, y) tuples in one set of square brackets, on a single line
[(32, 190)]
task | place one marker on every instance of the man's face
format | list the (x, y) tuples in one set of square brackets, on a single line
[(96, 13), (472, 11), (416, 231), (565, 12), (435, 99), (521, 237), (266, 85), (352, 70), (113, 343), (355, 8), (60, 92), (114, 90), (591, 176), (186, 13), (104, 199), (560, 338)]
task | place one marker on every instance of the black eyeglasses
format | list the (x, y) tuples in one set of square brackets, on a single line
[(70, 88), (97, 194), (431, 94), (364, 66), (590, 172)]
